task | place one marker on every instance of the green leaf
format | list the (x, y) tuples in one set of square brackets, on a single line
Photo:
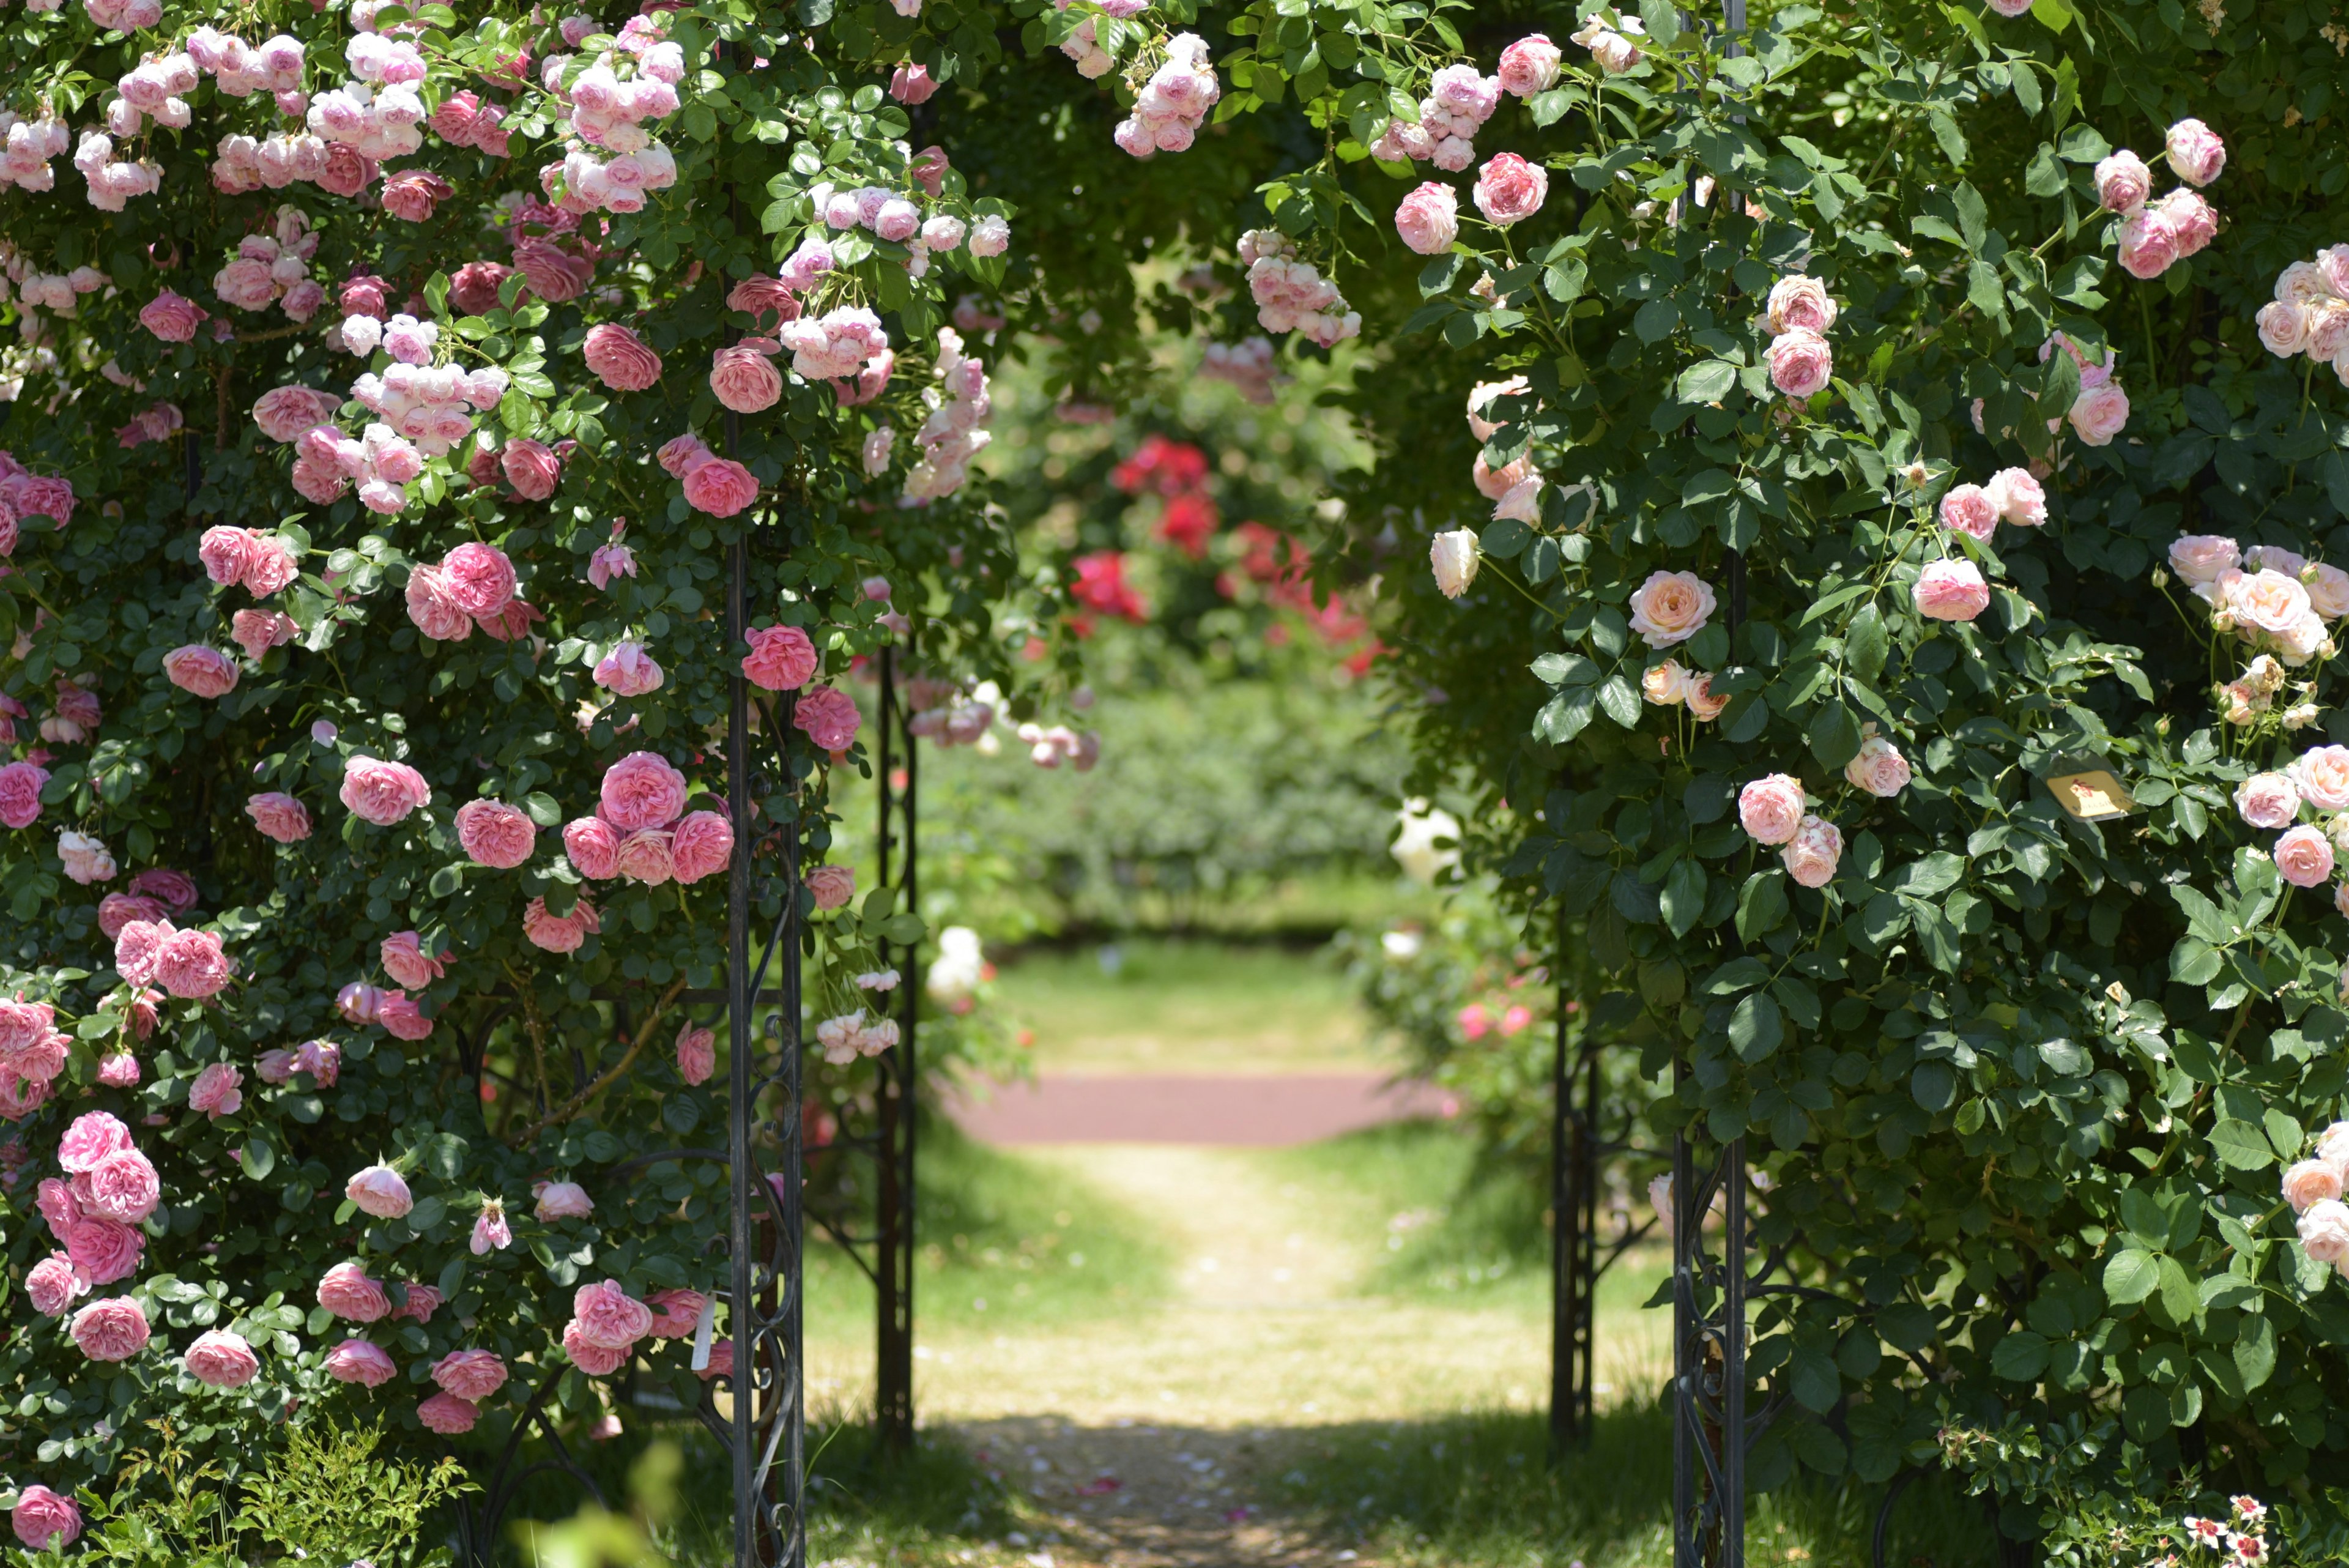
[(1663, 20), (1757, 1028), (1834, 735), (1738, 974), (1620, 700), (1707, 382), (1867, 644), (1654, 321), (543, 809), (2255, 1351), (2130, 1276), (1684, 894), (2021, 1357), (1761, 904), (257, 1158), (2240, 1145)]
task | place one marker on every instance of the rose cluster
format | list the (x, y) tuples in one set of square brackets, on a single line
[(2310, 313), (154, 88), (2316, 780), (1775, 811), (1048, 747), (717, 486), (1459, 101), (26, 146), (260, 563), (1084, 46), (2154, 236), (1612, 48), (956, 429), (245, 163), (32, 1054), (605, 1325), (188, 964), (608, 109), (1798, 315), (112, 181), (1293, 296), (848, 1036), (240, 69), (2313, 1188), (641, 831), (473, 585), (1173, 105), (398, 1014), (2280, 605), (2012, 495)]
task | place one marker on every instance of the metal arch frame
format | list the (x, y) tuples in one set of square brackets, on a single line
[(898, 1091)]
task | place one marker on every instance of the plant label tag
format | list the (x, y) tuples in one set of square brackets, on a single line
[(2094, 796), (701, 1332)]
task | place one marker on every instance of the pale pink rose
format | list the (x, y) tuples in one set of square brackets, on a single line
[(288, 413), (696, 1057), (2191, 219), (594, 847), (1665, 685), (206, 673), (621, 359), (192, 966), (123, 1188), (43, 1520), (215, 1093), (401, 1018), (2268, 600), (640, 790), (380, 1191), (103, 1251), (1799, 302), (2148, 244), (782, 658), (645, 857), (258, 631), (113, 1328), (226, 553), (2303, 856), (2283, 327), (1800, 363), (1970, 509), (1950, 590), (2195, 152), (1811, 855), (1428, 219), (833, 886), (448, 1415), (279, 816), (491, 1231), (678, 1312), (358, 1361), (136, 948), (1878, 768), (828, 716), (1671, 607), (405, 960), (1771, 809), (346, 1291), (220, 1358), (93, 1139), (2309, 1183), (478, 577), (2100, 414), (322, 1059), (1529, 65), (681, 456), (534, 471), (594, 1359), (2201, 559), (2123, 183), (51, 1285), (473, 288), (608, 1317), (721, 487), (628, 671), (2018, 497), (275, 1065), (382, 792), (118, 1071), (2323, 1231), (172, 318), (2321, 778), (495, 834), (359, 1002), (1702, 704), (1509, 189), (701, 846), (20, 793), (560, 933), (745, 380), (562, 1201), (473, 1374)]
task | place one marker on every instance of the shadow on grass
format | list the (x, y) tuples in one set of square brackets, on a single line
[(1471, 1490)]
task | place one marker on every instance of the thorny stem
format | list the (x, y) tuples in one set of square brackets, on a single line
[(535, 1027), (571, 1106)]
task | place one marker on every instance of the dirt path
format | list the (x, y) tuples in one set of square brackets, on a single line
[(1267, 1111)]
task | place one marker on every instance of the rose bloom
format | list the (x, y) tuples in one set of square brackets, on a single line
[(479, 578), (594, 847), (2283, 327), (176, 889), (559, 933), (405, 960), (1878, 768), (43, 1519), (2148, 244), (2201, 559), (2321, 778), (215, 1093), (203, 672), (1950, 590), (191, 965), (1429, 219), (1771, 809), (596, 1360), (379, 1191), (2324, 1231), (2267, 600), (628, 671), (2100, 414), (2191, 220), (382, 792), (422, 1302), (52, 1284), (1529, 65), (2196, 151), (401, 1018), (347, 1293), (20, 793), (495, 834), (491, 1231), (280, 816), (679, 1312), (1671, 607), (562, 1201), (645, 857), (2018, 497), (1811, 856), (829, 717), (104, 1250), (1799, 302), (1455, 558), (122, 1187), (721, 487), (1968, 509), (113, 1328), (258, 631), (620, 358), (433, 608), (640, 790), (171, 319), (782, 658), (2123, 181), (221, 1358), (358, 1361), (2310, 1182), (1800, 363), (534, 471), (2303, 856), (448, 1415), (697, 1056), (92, 1139), (744, 379), (833, 886), (1509, 189), (701, 846), (721, 1360), (610, 1317), (473, 1374), (1665, 685)]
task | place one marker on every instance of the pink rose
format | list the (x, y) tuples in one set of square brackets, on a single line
[(627, 670), (721, 1360), (2123, 183), (192, 966), (474, 287), (103, 1251), (1509, 189), (405, 960), (2268, 800), (1950, 590), (701, 846), (322, 1059), (1529, 65), (2148, 244), (828, 716), (379, 1191), (220, 1358), (760, 297), (175, 890), (1811, 856), (491, 1231), (696, 1057), (644, 857), (52, 1285), (478, 577), (411, 194), (2322, 777), (564, 1200), (640, 790), (2324, 1231), (288, 413), (422, 1302), (681, 456), (2309, 1183), (358, 1002), (364, 294), (594, 847), (1429, 219), (280, 816), (912, 84), (95, 1135), (495, 834), (1671, 607), (347, 1293), (123, 1188), (610, 1317), (721, 487), (1771, 809), (534, 471), (2303, 856), (20, 794), (2192, 220), (620, 358), (202, 672), (1799, 302), (43, 1520), (679, 1310), (554, 275), (596, 1360), (559, 933), (113, 1328), (258, 631), (745, 380), (401, 1018), (782, 658), (473, 1374), (448, 1415), (2196, 151), (1878, 768), (137, 946), (432, 605), (1968, 509), (215, 1093), (833, 886), (1800, 363), (2201, 559), (358, 1361), (382, 792), (2018, 497), (172, 318)]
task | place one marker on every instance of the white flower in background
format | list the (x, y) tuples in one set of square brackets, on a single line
[(955, 974), (1414, 847)]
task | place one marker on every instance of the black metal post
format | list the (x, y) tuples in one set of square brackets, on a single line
[(893, 1398)]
